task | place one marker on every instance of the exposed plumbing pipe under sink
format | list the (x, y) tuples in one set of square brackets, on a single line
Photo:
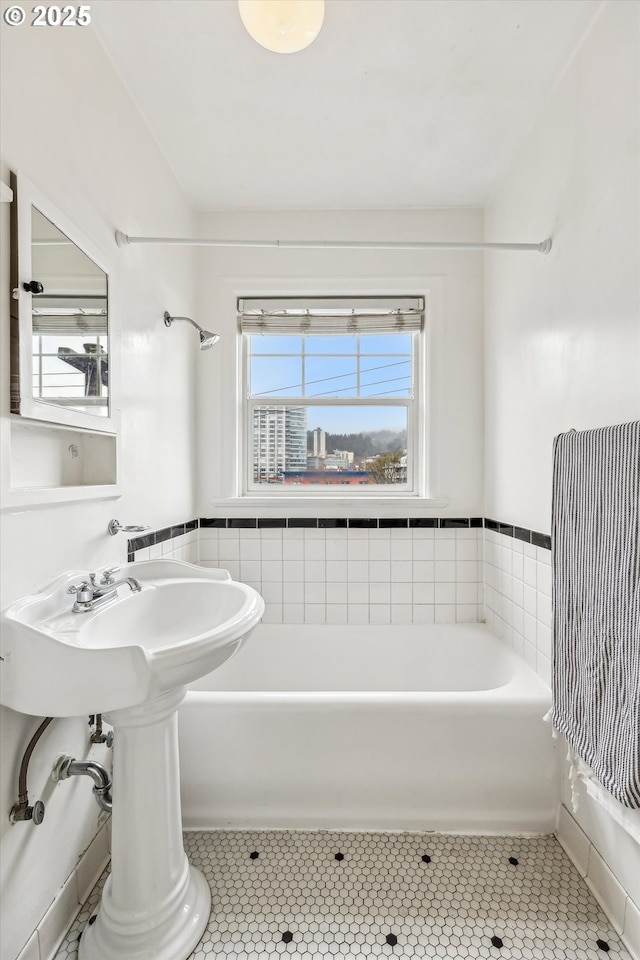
[(66, 767)]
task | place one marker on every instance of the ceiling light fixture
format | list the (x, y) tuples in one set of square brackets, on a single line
[(283, 26)]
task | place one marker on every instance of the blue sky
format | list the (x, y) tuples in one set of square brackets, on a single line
[(280, 364), (356, 419)]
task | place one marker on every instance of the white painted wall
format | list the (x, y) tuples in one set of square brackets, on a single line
[(456, 360), (562, 336), (70, 127), (562, 340)]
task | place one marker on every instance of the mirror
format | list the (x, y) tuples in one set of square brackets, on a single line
[(69, 321), (60, 358)]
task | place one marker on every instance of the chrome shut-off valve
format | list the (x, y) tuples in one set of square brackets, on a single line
[(26, 811)]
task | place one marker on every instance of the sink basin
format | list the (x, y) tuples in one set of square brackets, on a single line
[(185, 622), (130, 659)]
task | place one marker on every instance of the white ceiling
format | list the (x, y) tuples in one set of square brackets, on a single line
[(397, 104)]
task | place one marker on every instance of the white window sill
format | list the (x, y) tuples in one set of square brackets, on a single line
[(303, 506)]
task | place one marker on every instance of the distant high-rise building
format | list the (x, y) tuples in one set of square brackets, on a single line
[(319, 442), (348, 455), (338, 460), (279, 442), (295, 438)]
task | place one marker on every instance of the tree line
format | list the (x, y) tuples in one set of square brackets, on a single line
[(365, 444)]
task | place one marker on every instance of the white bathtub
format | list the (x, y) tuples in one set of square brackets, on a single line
[(374, 727)]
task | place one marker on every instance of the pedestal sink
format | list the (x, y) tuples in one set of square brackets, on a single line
[(130, 660)]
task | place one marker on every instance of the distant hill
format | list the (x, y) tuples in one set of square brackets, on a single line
[(366, 444)]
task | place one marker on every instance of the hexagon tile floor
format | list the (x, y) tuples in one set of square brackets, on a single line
[(333, 894)]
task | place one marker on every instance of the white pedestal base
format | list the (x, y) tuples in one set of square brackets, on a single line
[(155, 906)]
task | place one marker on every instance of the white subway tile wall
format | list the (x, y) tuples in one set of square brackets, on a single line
[(618, 905), (185, 547), (354, 575), (517, 597), (51, 930), (407, 575)]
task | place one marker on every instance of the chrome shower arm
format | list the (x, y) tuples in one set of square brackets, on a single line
[(168, 320), (207, 339)]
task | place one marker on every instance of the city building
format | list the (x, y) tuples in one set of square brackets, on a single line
[(347, 454), (319, 438), (338, 460), (279, 442), (348, 478)]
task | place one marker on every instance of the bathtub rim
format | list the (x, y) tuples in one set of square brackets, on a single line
[(522, 685)]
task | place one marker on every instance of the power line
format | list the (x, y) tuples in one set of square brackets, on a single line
[(386, 393), (376, 383), (338, 376)]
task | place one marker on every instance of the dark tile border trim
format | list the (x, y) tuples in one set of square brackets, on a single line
[(354, 523), (139, 543), (519, 533), (166, 533), (383, 523), (541, 540)]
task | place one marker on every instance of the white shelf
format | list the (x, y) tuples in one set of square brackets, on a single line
[(53, 464), (41, 496)]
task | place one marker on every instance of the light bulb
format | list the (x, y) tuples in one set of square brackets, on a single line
[(283, 26)]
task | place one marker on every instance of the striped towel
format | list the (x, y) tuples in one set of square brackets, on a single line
[(596, 602)]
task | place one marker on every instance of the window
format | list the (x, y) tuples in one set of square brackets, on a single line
[(331, 389), (69, 348)]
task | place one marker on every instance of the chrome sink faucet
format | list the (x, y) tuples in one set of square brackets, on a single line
[(90, 595)]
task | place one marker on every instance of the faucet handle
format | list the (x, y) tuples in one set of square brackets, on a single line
[(108, 575), (84, 590), (74, 588)]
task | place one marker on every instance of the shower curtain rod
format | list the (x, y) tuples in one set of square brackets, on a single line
[(123, 240)]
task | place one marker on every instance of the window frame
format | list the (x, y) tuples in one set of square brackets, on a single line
[(416, 407)]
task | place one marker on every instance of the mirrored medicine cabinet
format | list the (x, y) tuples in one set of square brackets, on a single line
[(63, 429), (61, 357)]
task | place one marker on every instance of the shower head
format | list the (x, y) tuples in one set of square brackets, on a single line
[(207, 339)]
